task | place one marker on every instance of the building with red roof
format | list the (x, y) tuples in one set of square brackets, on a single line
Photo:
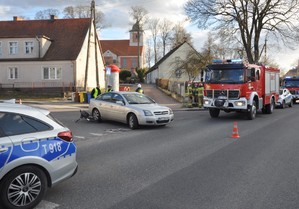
[(125, 53), (43, 55)]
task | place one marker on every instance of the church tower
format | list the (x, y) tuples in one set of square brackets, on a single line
[(136, 29)]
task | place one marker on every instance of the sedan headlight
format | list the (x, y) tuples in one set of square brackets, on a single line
[(147, 113), (170, 111)]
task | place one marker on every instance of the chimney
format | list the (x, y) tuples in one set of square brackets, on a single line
[(53, 17), (16, 18)]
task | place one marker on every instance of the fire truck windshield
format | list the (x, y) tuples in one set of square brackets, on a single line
[(233, 76), (291, 83)]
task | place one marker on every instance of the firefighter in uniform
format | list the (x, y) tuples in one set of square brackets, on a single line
[(190, 95), (200, 90), (195, 94)]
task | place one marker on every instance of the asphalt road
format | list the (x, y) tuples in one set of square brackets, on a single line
[(194, 163)]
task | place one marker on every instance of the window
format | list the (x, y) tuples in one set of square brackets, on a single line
[(14, 124), (51, 73), (124, 62), (28, 47), (134, 62), (13, 73), (178, 73), (13, 47)]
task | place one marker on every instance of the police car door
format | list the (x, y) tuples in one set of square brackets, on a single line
[(5, 147)]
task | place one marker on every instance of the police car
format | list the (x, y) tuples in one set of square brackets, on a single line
[(285, 98), (36, 152)]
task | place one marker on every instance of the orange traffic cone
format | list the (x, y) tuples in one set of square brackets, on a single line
[(20, 101), (235, 131)]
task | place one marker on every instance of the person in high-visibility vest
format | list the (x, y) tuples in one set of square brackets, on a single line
[(95, 92), (139, 89), (109, 89), (200, 90)]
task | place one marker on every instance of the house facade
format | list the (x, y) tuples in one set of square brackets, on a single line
[(168, 73), (47, 56), (125, 53), (166, 68)]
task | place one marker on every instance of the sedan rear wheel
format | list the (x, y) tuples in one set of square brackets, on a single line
[(23, 188), (132, 121), (96, 115)]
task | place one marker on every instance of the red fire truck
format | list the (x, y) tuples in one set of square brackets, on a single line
[(233, 85), (292, 84)]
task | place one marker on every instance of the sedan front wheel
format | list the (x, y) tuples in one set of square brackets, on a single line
[(96, 115), (132, 121)]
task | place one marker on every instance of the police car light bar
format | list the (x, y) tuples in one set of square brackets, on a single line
[(219, 61)]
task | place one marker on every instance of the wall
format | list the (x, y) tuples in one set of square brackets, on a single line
[(81, 66)]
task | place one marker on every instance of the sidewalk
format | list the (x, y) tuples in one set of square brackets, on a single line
[(149, 89)]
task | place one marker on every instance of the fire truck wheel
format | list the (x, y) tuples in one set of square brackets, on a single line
[(270, 107), (214, 113), (252, 111)]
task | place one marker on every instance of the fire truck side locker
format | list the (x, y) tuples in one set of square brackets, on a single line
[(271, 89)]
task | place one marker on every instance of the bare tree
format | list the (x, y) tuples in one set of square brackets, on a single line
[(248, 21), (139, 16), (179, 35), (153, 25), (84, 12), (148, 54), (45, 14), (165, 33)]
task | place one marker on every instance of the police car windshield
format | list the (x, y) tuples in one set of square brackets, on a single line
[(292, 83), (232, 76)]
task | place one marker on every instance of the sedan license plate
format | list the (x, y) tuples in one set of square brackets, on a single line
[(162, 118)]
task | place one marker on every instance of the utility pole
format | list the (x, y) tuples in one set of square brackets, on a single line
[(88, 45), (95, 42)]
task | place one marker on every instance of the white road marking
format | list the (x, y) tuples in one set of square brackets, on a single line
[(96, 134), (46, 205), (79, 137)]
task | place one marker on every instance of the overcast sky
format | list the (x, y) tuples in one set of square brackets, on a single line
[(116, 14)]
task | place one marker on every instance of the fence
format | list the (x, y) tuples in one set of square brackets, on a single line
[(37, 88)]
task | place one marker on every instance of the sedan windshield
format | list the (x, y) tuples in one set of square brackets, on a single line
[(138, 99), (225, 76)]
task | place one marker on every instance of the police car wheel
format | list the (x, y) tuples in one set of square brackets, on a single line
[(291, 103), (96, 115), (23, 188), (132, 121), (283, 104)]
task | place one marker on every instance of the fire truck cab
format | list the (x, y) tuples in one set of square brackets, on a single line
[(292, 84), (233, 85)]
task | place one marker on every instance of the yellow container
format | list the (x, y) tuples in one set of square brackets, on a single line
[(81, 97)]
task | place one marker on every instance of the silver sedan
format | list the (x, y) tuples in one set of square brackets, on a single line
[(131, 108)]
